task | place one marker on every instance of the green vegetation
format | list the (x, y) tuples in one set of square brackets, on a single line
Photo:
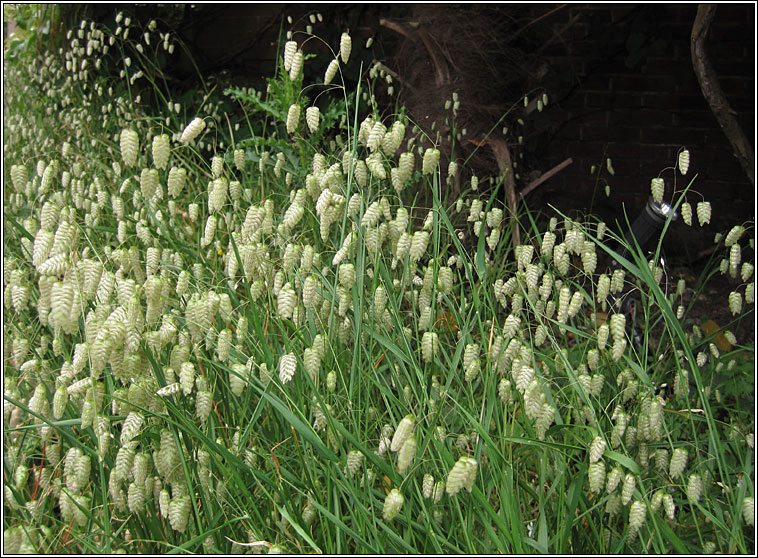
[(237, 334)]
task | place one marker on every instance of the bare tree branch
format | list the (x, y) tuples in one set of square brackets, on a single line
[(549, 174), (713, 93), (503, 158)]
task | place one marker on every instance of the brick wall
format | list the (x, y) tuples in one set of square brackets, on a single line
[(242, 38), (641, 116)]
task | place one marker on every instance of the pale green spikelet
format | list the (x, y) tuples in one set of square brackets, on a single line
[(296, 65), (312, 118), (431, 160), (462, 475), (293, 118), (735, 302), (392, 504), (669, 506), (403, 432), (331, 71), (656, 187), (686, 211), (678, 462), (637, 515), (627, 489), (613, 479), (178, 514), (192, 130), (354, 460), (683, 161), (596, 476), (694, 488), (161, 151), (287, 367), (406, 454), (748, 510), (346, 45), (428, 486), (597, 448), (704, 212), (129, 147)]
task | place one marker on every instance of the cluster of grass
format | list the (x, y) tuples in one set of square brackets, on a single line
[(275, 351)]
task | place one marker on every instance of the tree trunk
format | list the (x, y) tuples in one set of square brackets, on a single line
[(713, 93), (503, 158)]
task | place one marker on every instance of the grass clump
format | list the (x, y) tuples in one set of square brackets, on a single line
[(274, 350)]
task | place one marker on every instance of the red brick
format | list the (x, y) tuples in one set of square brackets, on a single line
[(679, 32), (610, 133), (611, 66), (621, 13), (661, 166), (597, 98), (687, 83), (621, 167), (737, 85), (598, 13), (725, 167), (635, 151), (692, 101), (589, 149), (572, 64), (710, 137), (715, 189), (665, 66), (734, 66), (628, 184), (735, 12), (570, 105), (633, 201), (566, 133), (726, 49), (583, 166), (723, 31), (686, 12), (596, 117), (662, 135), (694, 119), (640, 117), (584, 48), (719, 159), (667, 101), (643, 83), (612, 99), (576, 32), (596, 82)]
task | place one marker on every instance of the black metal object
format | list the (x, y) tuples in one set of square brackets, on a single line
[(648, 225)]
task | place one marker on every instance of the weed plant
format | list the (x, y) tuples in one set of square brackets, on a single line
[(242, 339)]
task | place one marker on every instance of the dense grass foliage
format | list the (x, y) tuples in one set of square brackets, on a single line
[(239, 333)]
